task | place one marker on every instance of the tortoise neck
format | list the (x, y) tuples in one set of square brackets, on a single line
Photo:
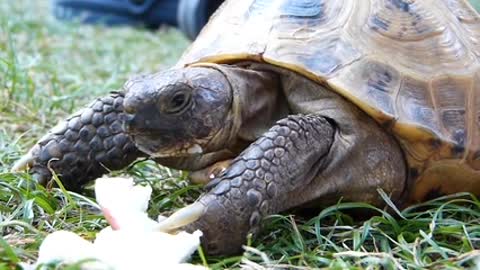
[(258, 102)]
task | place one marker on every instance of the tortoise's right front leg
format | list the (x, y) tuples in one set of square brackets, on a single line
[(85, 146)]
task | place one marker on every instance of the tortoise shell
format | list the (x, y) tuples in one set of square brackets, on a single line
[(413, 66)]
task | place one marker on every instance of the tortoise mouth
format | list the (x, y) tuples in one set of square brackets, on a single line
[(151, 146)]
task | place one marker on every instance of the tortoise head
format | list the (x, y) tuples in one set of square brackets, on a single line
[(179, 112)]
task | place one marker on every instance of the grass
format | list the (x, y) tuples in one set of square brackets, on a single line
[(48, 69)]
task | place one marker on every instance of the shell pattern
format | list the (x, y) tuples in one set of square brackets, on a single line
[(414, 66)]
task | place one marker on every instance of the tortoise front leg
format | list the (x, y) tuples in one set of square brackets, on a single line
[(301, 160), (85, 146), (261, 181)]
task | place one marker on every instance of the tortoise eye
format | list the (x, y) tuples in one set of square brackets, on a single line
[(178, 102)]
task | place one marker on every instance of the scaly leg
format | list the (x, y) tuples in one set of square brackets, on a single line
[(85, 146), (261, 181), (291, 165), (258, 183)]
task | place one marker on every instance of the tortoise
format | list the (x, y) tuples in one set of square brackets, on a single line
[(288, 104)]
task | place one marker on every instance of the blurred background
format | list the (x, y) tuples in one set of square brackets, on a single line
[(476, 4), (189, 15)]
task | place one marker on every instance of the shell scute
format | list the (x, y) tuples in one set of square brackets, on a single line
[(415, 104)]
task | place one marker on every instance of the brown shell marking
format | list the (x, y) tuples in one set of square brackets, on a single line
[(411, 65)]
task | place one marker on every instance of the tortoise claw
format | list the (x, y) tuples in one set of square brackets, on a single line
[(205, 176), (40, 174), (23, 163), (182, 217)]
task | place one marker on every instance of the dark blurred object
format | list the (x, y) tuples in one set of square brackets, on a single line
[(189, 15), (192, 15)]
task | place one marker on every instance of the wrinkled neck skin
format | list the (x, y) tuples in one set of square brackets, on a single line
[(258, 102)]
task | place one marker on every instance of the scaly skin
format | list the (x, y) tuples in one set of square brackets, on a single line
[(280, 164), (86, 145)]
